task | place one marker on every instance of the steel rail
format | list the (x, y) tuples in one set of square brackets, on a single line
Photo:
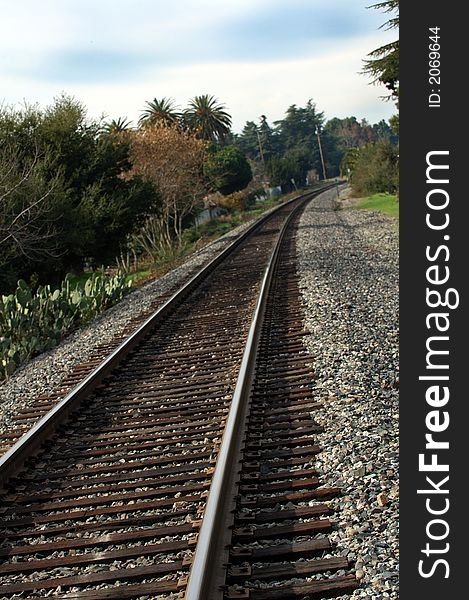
[(13, 460), (207, 574)]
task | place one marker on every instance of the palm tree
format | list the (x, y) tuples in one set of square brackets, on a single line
[(117, 125), (208, 118), (160, 111)]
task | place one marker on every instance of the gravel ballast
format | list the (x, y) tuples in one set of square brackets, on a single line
[(348, 263)]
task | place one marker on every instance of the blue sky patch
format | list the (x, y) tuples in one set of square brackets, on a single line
[(89, 65)]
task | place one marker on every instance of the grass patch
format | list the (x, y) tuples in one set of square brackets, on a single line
[(385, 203), (80, 278), (137, 276), (134, 277)]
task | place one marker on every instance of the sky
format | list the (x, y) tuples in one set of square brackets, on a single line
[(257, 57)]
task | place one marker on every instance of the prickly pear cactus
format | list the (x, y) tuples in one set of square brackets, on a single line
[(31, 322)]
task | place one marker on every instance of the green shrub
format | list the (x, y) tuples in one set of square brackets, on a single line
[(228, 170), (31, 322), (235, 201), (375, 169), (254, 195)]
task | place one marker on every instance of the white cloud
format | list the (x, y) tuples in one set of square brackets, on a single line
[(248, 88), (50, 25)]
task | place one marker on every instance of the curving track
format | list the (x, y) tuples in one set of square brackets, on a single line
[(185, 456)]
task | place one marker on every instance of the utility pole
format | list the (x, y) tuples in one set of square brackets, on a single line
[(261, 151), (320, 152)]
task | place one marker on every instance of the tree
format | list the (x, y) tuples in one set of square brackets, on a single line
[(394, 123), (383, 67), (298, 132), (383, 64), (117, 125), (64, 187), (299, 127), (28, 204), (350, 133), (208, 118), (162, 112), (375, 169), (349, 161), (295, 139), (285, 172), (112, 205), (172, 160), (342, 135), (384, 131), (228, 170), (101, 206), (248, 141)]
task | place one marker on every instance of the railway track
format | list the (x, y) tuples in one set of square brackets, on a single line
[(194, 452)]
